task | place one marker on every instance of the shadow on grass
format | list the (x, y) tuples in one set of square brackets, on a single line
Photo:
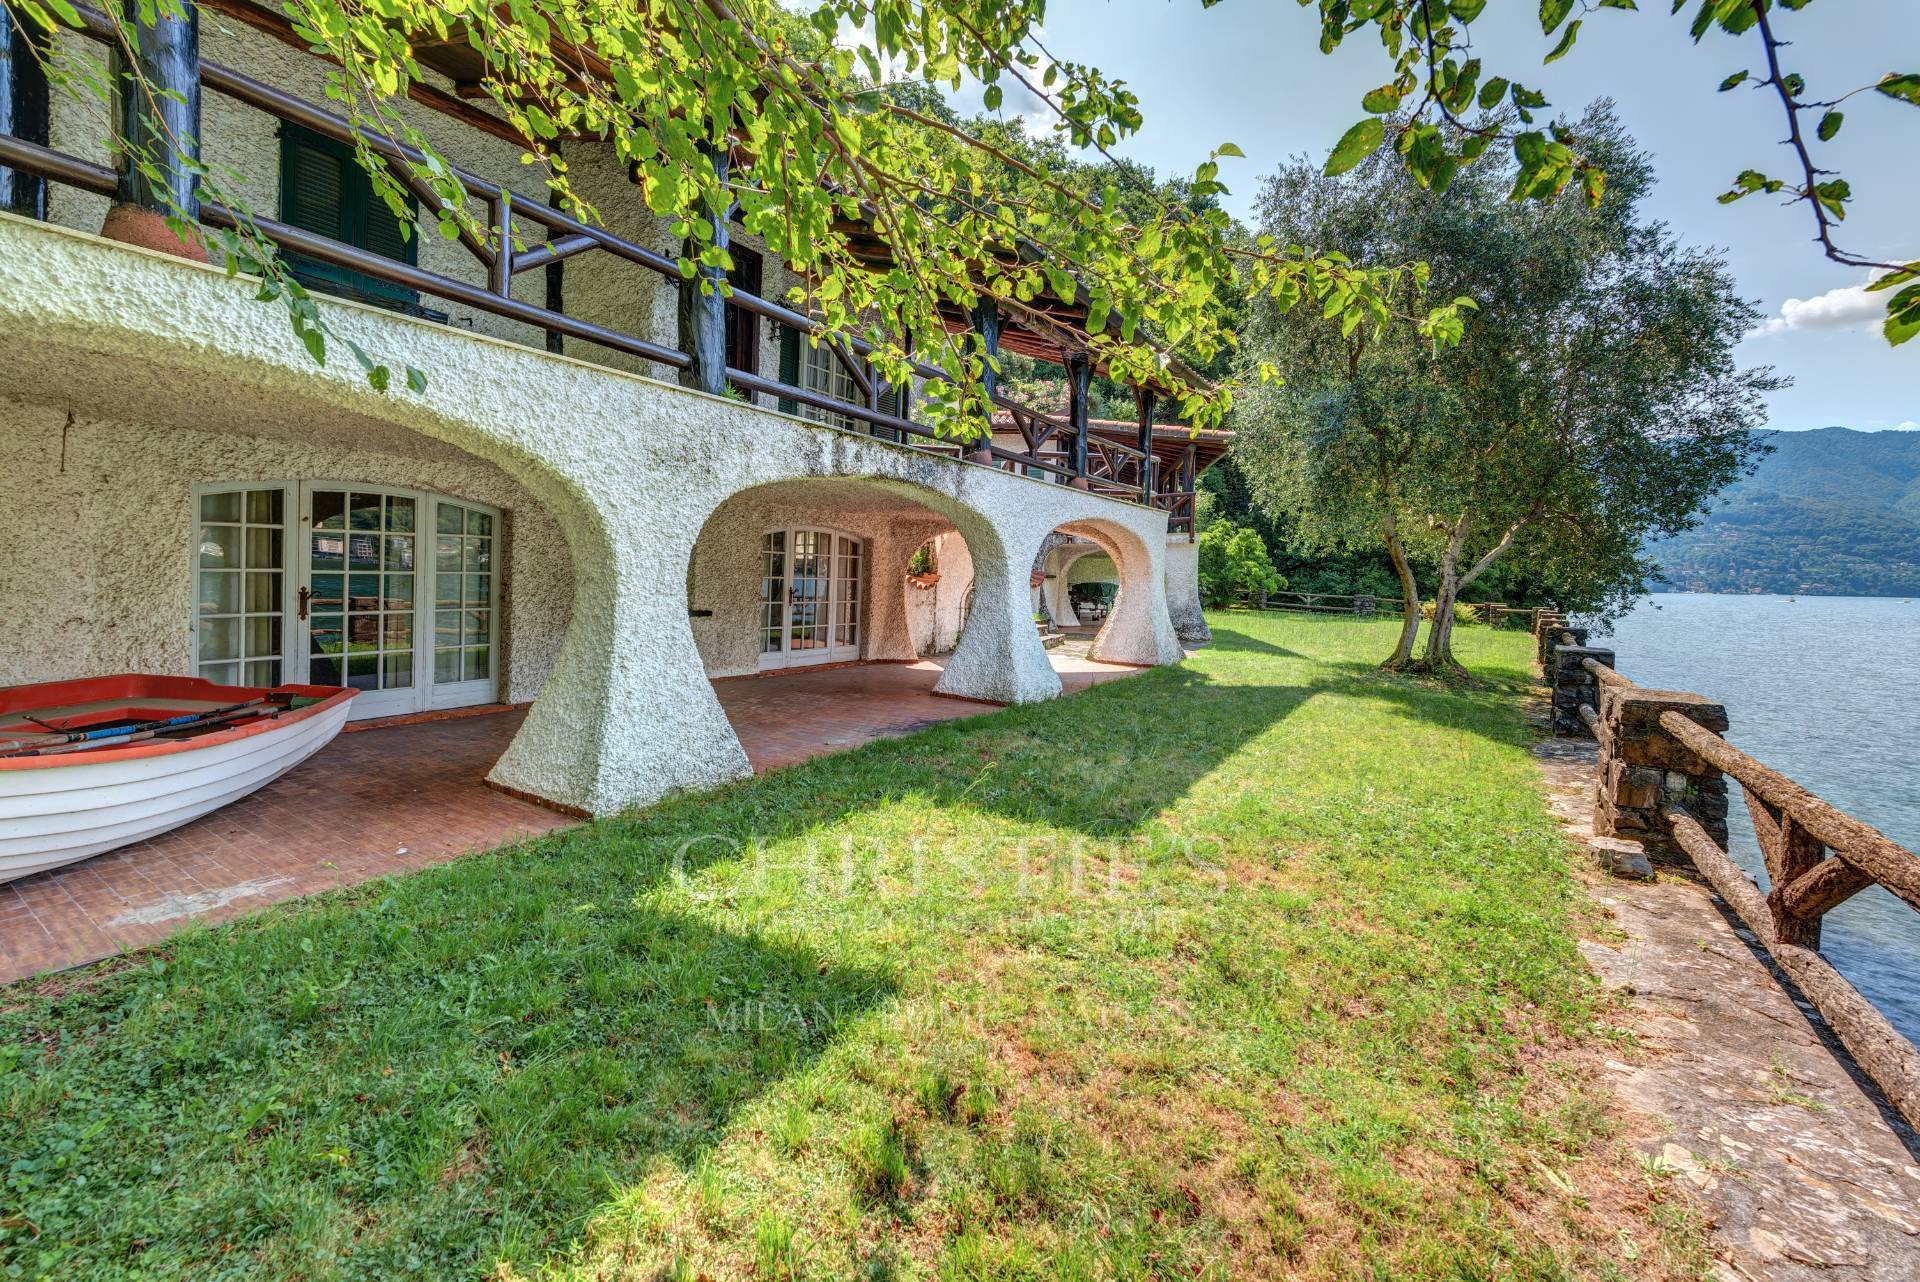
[(408, 1078), (1105, 761), (417, 1077), (1233, 641)]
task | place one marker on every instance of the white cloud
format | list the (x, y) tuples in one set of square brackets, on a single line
[(1848, 308)]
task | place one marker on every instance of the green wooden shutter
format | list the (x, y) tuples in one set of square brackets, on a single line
[(313, 189), (382, 232), (789, 366), (888, 402), (324, 190)]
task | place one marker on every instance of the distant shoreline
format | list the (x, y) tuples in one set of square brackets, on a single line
[(1813, 592)]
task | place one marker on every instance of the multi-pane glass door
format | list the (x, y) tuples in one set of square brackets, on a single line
[(809, 598), (392, 592), (240, 562), (360, 595), (463, 603)]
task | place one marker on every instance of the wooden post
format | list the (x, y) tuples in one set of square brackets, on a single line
[(1791, 852), (1143, 397), (986, 323), (24, 112), (703, 312), (1079, 374), (903, 395), (159, 124), (500, 275), (556, 286)]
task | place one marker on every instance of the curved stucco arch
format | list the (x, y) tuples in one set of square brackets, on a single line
[(1058, 567), (989, 662), (1137, 629), (629, 467)]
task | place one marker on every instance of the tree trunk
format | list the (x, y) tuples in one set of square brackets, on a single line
[(1409, 596), (1439, 655)]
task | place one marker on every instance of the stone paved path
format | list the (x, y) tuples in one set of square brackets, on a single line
[(1801, 1171)]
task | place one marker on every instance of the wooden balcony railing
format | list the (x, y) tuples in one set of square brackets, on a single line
[(1103, 466)]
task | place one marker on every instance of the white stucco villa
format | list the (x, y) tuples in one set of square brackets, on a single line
[(557, 519)]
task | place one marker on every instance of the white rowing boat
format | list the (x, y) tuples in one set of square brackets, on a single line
[(63, 798)]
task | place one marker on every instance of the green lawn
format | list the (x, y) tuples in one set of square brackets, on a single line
[(1260, 965)]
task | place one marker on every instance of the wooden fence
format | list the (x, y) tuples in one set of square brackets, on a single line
[(1361, 604), (1493, 613), (1662, 784)]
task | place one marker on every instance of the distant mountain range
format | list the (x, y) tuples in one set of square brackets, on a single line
[(1832, 511)]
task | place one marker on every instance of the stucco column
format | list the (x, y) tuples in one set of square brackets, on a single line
[(1055, 589), (1139, 629), (627, 714), (1183, 591), (999, 657)]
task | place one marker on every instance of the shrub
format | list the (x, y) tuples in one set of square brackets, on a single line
[(1234, 563)]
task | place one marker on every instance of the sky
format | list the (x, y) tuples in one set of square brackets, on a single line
[(1251, 72)]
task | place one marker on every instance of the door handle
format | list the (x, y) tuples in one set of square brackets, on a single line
[(304, 594)]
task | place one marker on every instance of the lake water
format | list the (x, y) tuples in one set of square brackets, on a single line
[(1827, 691)]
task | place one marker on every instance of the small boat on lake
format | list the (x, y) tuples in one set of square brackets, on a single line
[(88, 766)]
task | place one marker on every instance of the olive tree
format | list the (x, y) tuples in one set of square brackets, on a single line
[(1593, 403)]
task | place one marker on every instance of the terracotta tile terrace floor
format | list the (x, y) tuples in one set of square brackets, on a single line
[(393, 799), (789, 717)]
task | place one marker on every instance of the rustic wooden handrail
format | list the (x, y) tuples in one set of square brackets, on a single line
[(1795, 828), (1864, 847), (1604, 675), (1885, 1056)]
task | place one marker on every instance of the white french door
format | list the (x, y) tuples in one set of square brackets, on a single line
[(392, 592), (809, 598)]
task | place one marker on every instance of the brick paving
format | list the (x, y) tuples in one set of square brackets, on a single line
[(401, 797), (378, 801), (788, 717)]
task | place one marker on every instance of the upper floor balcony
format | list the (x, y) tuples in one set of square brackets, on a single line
[(609, 290)]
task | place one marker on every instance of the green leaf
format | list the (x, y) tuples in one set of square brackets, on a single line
[(1355, 146), (1381, 100), (1566, 42), (1552, 14), (1905, 86), (1903, 315), (416, 380), (1830, 125), (1229, 149), (1465, 10), (1738, 77), (1899, 276), (992, 97), (1492, 92)]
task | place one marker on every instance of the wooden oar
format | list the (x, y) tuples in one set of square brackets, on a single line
[(129, 735), (38, 743)]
